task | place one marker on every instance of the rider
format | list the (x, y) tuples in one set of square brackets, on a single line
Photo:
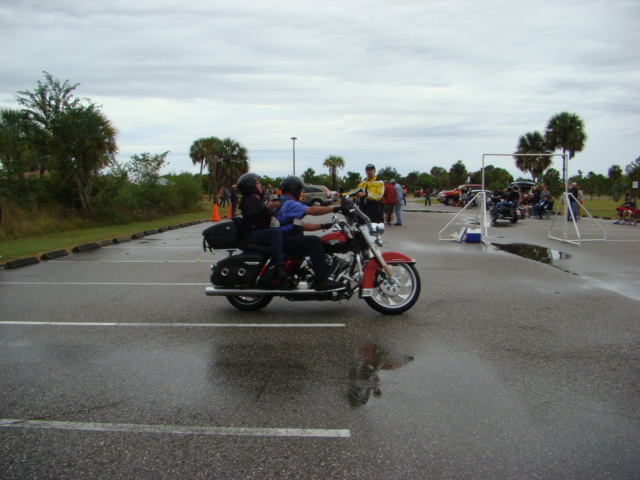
[(290, 216), (510, 197), (256, 220)]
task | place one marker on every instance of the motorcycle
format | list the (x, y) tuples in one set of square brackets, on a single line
[(509, 211), (388, 281)]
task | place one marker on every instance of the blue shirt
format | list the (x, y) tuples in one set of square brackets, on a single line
[(399, 192), (289, 211)]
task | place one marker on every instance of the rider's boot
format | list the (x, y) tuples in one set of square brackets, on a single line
[(281, 274)]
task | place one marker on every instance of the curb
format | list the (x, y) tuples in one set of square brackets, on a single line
[(54, 254), (85, 247), (22, 262)]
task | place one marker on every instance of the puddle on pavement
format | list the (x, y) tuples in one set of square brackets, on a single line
[(533, 252)]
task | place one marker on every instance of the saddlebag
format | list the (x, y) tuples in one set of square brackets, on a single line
[(223, 235), (237, 271)]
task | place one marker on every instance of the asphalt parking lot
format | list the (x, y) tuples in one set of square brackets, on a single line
[(114, 364)]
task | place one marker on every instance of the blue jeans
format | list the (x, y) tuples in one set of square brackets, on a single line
[(498, 208), (301, 245), (398, 213), (269, 237)]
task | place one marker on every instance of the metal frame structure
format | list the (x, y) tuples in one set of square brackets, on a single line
[(482, 204)]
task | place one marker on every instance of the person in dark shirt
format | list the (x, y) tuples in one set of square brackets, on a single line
[(257, 220)]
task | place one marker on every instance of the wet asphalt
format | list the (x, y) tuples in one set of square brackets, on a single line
[(114, 364)]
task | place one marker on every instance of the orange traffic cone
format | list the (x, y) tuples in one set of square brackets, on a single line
[(215, 216), (229, 214)]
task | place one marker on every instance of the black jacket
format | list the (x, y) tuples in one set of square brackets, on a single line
[(255, 214)]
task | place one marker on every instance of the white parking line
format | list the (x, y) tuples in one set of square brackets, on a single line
[(181, 325), (175, 429)]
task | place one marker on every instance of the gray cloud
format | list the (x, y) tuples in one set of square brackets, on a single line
[(410, 84)]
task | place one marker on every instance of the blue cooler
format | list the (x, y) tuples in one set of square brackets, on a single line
[(474, 236)]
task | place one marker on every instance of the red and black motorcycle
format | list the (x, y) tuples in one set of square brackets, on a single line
[(388, 281)]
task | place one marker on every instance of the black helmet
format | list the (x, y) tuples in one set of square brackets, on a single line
[(247, 184), (292, 185)]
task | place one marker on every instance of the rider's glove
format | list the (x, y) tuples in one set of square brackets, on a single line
[(326, 226), (341, 209)]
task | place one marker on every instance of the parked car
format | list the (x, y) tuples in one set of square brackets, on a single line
[(317, 195), (523, 185), (446, 196)]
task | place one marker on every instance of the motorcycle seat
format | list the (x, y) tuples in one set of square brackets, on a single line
[(263, 250)]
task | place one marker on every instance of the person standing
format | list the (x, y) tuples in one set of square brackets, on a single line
[(233, 198), (371, 195), (389, 201), (427, 196), (399, 196), (573, 201)]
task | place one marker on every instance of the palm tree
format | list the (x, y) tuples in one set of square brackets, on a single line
[(83, 142), (198, 155), (566, 131), (530, 143), (333, 163), (233, 161)]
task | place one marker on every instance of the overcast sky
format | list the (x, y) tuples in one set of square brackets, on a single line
[(407, 84)]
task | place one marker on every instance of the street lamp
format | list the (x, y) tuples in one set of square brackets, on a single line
[(294, 154)]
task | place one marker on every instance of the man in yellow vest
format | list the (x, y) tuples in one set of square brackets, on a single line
[(371, 195)]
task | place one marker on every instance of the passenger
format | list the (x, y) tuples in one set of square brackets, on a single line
[(257, 220)]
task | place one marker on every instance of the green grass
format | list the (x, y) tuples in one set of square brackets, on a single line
[(598, 207), (37, 245)]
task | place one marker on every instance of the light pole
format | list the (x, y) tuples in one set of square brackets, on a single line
[(294, 154)]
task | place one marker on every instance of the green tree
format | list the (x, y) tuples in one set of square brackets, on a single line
[(351, 180), (83, 142), (566, 131), (309, 176), (413, 179), (530, 143), (441, 176), (633, 170), (458, 173), (552, 179), (146, 168), (334, 163), (617, 178), (495, 178), (233, 161), (17, 155), (44, 106), (388, 173), (198, 154)]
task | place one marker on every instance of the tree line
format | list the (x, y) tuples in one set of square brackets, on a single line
[(58, 150)]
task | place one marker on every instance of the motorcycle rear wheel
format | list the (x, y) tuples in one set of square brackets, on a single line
[(395, 299), (249, 303)]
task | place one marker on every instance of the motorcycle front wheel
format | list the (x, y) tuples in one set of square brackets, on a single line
[(249, 303), (396, 295)]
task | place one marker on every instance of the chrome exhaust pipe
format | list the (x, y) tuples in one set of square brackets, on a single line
[(224, 292)]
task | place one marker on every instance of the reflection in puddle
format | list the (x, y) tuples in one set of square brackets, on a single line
[(533, 252), (364, 380)]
